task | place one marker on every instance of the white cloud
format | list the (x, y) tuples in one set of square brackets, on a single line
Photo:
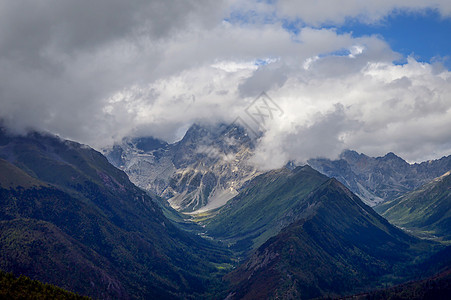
[(154, 67), (380, 108)]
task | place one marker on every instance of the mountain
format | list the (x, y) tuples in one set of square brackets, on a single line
[(436, 284), (425, 211), (12, 287), (437, 287), (70, 218), (379, 179), (264, 206), (201, 171), (337, 246)]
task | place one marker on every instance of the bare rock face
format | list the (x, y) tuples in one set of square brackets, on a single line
[(202, 171), (379, 179)]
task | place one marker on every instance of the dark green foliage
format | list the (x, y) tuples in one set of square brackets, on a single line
[(12, 287), (341, 246), (437, 287), (69, 218), (99, 227), (41, 250)]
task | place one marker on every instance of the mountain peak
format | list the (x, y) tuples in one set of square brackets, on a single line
[(208, 165), (379, 179), (393, 156), (351, 155), (330, 236), (214, 133), (194, 131), (149, 143)]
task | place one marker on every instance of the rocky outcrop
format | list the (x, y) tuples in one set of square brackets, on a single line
[(379, 179), (202, 171)]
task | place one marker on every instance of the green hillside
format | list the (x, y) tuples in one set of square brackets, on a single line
[(268, 203), (425, 211), (341, 247), (13, 177)]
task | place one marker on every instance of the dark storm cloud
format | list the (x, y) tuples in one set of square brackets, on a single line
[(60, 60)]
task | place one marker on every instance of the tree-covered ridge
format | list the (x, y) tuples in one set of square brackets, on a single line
[(69, 218), (22, 287), (340, 247), (437, 287), (87, 221)]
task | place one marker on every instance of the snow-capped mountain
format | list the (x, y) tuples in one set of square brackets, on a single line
[(202, 171)]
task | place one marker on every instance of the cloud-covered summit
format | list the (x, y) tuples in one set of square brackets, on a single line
[(97, 71)]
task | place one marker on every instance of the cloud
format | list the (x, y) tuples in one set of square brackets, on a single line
[(324, 137), (330, 12), (96, 72), (60, 61), (379, 108)]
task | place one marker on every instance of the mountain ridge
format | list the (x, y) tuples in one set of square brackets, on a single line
[(379, 179), (202, 171), (266, 204), (92, 210), (342, 247), (425, 211)]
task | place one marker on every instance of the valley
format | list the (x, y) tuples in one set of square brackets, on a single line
[(72, 219)]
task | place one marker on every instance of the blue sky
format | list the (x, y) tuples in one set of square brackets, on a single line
[(425, 35)]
